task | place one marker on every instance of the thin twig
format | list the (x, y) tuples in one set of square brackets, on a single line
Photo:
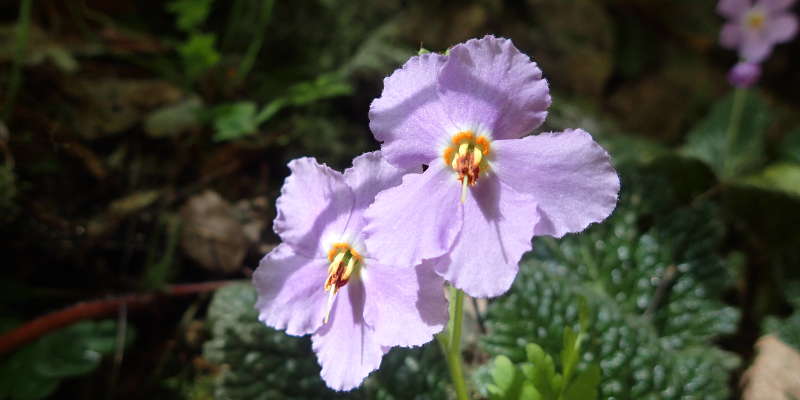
[(96, 309)]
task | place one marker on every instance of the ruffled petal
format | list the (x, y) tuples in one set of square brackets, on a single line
[(417, 220), (733, 8), (314, 205), (489, 87), (781, 28), (731, 35), (408, 117), (369, 175), (290, 291), (345, 346), (498, 227), (568, 174), (405, 307)]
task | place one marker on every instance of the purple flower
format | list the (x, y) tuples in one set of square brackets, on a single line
[(754, 27), (744, 74), (487, 190), (322, 280)]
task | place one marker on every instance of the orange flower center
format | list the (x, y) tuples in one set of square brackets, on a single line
[(467, 156), (345, 262)]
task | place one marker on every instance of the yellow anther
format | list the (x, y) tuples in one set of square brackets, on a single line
[(462, 149), (454, 164), (335, 263), (477, 156), (351, 264)]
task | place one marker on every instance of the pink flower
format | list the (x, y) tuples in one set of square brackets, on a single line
[(322, 280), (488, 188)]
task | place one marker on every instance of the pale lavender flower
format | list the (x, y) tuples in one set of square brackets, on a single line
[(744, 74), (487, 190), (754, 27), (322, 280)]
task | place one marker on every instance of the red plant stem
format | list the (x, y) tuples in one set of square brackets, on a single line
[(95, 309)]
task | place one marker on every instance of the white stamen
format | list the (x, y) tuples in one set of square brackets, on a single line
[(464, 189), (329, 304)]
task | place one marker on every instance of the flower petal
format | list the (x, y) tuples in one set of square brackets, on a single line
[(781, 28), (369, 175), (417, 220), (488, 86), (290, 291), (498, 227), (345, 346), (405, 307), (408, 117), (776, 5), (744, 74), (568, 174), (733, 8), (755, 48), (315, 203), (731, 35)]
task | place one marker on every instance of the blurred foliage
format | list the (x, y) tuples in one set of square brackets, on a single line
[(731, 151), (35, 370), (257, 362), (8, 193), (654, 284), (233, 121)]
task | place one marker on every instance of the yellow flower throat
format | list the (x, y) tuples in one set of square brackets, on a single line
[(467, 156)]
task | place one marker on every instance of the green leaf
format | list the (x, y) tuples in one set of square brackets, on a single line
[(543, 374), (504, 374), (240, 119), (233, 121), (199, 54), (190, 13), (710, 140), (790, 147), (174, 119), (585, 385), (784, 177), (509, 382), (570, 352), (653, 282), (323, 87), (34, 371), (262, 363)]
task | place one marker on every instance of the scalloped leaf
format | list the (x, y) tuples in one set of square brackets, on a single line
[(653, 282)]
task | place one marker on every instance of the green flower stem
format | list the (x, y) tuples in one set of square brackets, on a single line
[(450, 342), (733, 127)]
